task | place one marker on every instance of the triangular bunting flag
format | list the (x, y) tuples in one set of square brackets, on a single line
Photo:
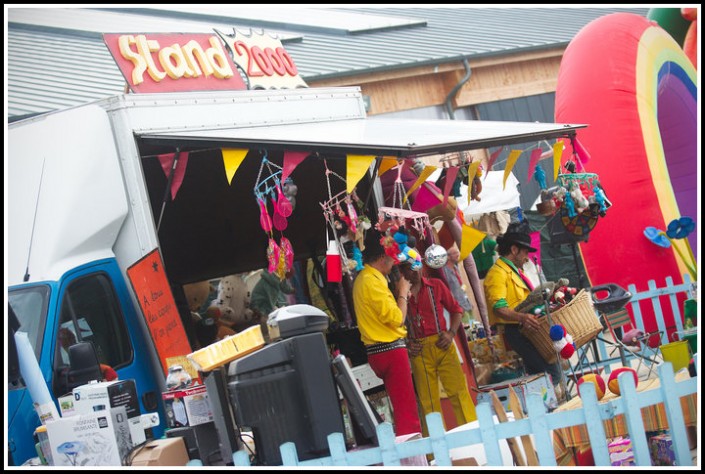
[(557, 153), (358, 165), (493, 158), (581, 151), (451, 173), (388, 162), (471, 238), (472, 171), (511, 161), (533, 161), (427, 171), (168, 161), (232, 159), (291, 161)]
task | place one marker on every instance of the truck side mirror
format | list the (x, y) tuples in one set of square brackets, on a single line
[(83, 365)]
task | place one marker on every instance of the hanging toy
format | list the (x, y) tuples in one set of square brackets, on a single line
[(540, 176), (570, 205), (273, 251), (406, 252), (562, 341)]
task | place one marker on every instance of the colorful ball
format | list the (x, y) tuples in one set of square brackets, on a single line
[(597, 380), (612, 383)]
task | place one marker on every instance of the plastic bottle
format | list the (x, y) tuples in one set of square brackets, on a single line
[(334, 266)]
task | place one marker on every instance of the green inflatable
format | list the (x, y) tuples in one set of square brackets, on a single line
[(671, 20)]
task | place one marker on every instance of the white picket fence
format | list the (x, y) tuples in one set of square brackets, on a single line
[(653, 296), (539, 424)]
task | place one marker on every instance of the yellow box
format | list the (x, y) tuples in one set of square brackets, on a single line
[(228, 349)]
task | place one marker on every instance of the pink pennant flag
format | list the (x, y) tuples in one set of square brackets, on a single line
[(581, 151), (451, 173), (291, 161), (493, 158), (533, 161), (168, 161)]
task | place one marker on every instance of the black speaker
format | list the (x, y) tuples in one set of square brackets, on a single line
[(201, 442)]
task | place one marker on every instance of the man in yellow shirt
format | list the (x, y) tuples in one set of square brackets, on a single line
[(505, 287), (380, 319)]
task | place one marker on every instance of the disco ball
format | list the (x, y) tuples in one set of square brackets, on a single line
[(436, 256)]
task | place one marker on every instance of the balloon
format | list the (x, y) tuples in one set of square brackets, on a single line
[(632, 83)]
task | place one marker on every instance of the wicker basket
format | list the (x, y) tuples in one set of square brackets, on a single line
[(577, 317)]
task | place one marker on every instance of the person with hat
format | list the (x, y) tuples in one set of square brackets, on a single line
[(505, 287), (431, 350), (380, 319)]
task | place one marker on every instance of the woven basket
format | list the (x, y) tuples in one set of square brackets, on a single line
[(577, 317)]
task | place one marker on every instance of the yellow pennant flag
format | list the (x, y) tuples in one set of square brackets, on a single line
[(232, 159), (427, 171), (472, 171), (357, 167), (471, 238), (388, 162), (511, 161), (557, 153)]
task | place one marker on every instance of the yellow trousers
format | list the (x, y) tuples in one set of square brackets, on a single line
[(434, 364)]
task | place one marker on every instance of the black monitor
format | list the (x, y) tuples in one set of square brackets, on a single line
[(285, 392), (362, 414)]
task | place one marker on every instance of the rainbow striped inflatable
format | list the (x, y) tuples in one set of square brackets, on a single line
[(630, 81)]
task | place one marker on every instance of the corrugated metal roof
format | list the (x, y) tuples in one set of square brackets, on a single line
[(58, 60)]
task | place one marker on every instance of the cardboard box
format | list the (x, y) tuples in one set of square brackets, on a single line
[(539, 383), (162, 452), (94, 396), (100, 438), (187, 407)]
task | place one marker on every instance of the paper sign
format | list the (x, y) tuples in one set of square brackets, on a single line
[(152, 290)]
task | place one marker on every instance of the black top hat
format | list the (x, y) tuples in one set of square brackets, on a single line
[(520, 239)]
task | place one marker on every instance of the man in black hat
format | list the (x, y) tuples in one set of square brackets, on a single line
[(505, 287)]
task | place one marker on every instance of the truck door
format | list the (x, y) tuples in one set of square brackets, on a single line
[(94, 306)]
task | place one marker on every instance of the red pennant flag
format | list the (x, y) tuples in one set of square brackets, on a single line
[(291, 161), (168, 162), (451, 173), (493, 158), (583, 154), (533, 161)]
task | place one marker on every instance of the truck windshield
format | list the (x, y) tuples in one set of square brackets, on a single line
[(30, 305)]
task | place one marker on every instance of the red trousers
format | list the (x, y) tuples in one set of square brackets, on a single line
[(394, 368)]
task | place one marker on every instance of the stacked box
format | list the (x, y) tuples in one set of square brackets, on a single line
[(187, 407), (661, 448), (621, 453), (101, 395), (100, 438)]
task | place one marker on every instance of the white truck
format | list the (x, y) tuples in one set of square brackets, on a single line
[(88, 198)]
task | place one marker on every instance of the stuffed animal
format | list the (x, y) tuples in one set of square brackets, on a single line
[(230, 308)]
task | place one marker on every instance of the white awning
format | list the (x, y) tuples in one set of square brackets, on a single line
[(371, 136)]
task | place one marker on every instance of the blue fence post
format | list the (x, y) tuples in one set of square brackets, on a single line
[(387, 443), (289, 455), (338, 451), (634, 420), (241, 458), (488, 434), (540, 430), (438, 441), (674, 413), (595, 427)]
